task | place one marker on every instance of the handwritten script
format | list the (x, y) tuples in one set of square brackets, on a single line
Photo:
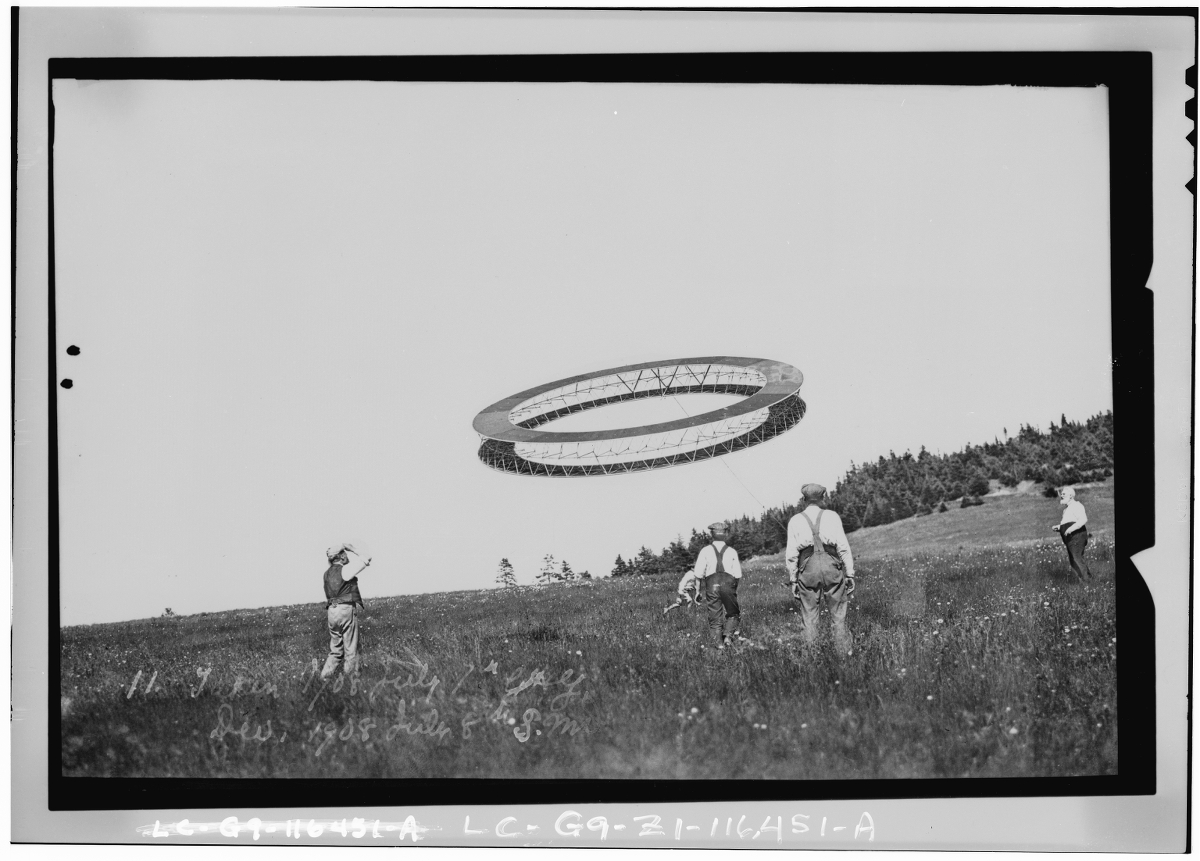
[(411, 701)]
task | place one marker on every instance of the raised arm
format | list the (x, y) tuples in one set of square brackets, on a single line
[(363, 563)]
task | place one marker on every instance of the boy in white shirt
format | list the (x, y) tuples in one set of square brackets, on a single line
[(1073, 530)]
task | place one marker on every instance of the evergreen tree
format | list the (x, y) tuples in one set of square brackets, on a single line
[(900, 486), (548, 574), (646, 562), (506, 577), (565, 573)]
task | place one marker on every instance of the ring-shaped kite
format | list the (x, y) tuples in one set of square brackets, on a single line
[(512, 443)]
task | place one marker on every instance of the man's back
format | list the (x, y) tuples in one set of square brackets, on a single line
[(339, 590), (707, 560), (833, 537)]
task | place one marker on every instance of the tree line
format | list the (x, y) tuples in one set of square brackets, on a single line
[(901, 486), (552, 572)]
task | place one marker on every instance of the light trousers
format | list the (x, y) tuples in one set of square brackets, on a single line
[(343, 640), (810, 609)]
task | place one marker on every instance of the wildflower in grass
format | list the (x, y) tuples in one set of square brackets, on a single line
[(930, 697), (803, 726)]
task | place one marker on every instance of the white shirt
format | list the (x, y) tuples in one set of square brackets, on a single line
[(688, 579), (706, 561), (1073, 513), (352, 556), (801, 536)]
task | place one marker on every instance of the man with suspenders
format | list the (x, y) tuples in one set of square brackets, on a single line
[(720, 570), (819, 562)]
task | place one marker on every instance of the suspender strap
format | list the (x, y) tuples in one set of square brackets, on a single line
[(816, 531), (720, 553)]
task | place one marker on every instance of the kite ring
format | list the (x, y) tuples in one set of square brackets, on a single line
[(511, 442)]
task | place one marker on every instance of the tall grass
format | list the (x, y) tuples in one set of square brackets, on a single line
[(986, 662)]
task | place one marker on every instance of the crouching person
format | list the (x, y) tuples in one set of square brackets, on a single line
[(819, 562), (720, 570), (683, 595), (343, 603)]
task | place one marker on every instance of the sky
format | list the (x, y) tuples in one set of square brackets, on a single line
[(292, 298)]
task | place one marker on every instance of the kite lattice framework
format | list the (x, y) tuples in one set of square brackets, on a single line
[(511, 442)]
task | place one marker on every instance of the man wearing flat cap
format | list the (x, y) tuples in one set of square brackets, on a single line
[(819, 563), (342, 603), (719, 569)]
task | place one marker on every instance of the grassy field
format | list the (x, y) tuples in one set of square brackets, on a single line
[(975, 655)]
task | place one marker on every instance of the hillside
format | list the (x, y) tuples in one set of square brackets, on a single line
[(900, 487), (897, 487), (1007, 518), (988, 661)]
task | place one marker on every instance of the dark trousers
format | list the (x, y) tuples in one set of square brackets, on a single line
[(1076, 542), (720, 595)]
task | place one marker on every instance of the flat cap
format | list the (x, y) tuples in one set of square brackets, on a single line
[(720, 527), (813, 491)]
